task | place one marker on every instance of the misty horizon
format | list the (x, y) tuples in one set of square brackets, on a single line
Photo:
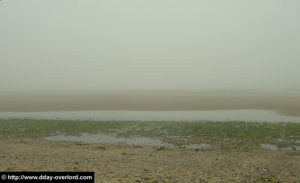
[(149, 45)]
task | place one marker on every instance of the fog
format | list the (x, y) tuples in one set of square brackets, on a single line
[(149, 44)]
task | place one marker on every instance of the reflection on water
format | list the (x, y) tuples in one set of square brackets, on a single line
[(276, 148), (198, 146), (269, 147), (109, 138), (218, 115)]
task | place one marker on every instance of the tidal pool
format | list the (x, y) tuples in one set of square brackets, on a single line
[(109, 138), (276, 148)]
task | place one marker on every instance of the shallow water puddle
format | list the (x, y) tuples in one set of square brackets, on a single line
[(275, 147), (269, 147), (109, 138), (198, 146)]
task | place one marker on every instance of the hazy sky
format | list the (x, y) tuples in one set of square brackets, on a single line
[(149, 44)]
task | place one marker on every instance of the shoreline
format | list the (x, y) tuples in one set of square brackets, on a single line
[(150, 116), (286, 104)]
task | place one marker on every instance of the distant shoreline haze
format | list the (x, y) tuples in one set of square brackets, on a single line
[(283, 103)]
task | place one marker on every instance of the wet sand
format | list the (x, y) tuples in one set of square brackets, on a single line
[(283, 103)]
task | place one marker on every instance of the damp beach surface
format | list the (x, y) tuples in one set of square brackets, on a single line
[(154, 106)]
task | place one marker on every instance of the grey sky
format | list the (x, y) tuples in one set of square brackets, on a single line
[(149, 44)]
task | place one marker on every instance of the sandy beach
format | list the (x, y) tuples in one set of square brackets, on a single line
[(235, 155), (123, 163)]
